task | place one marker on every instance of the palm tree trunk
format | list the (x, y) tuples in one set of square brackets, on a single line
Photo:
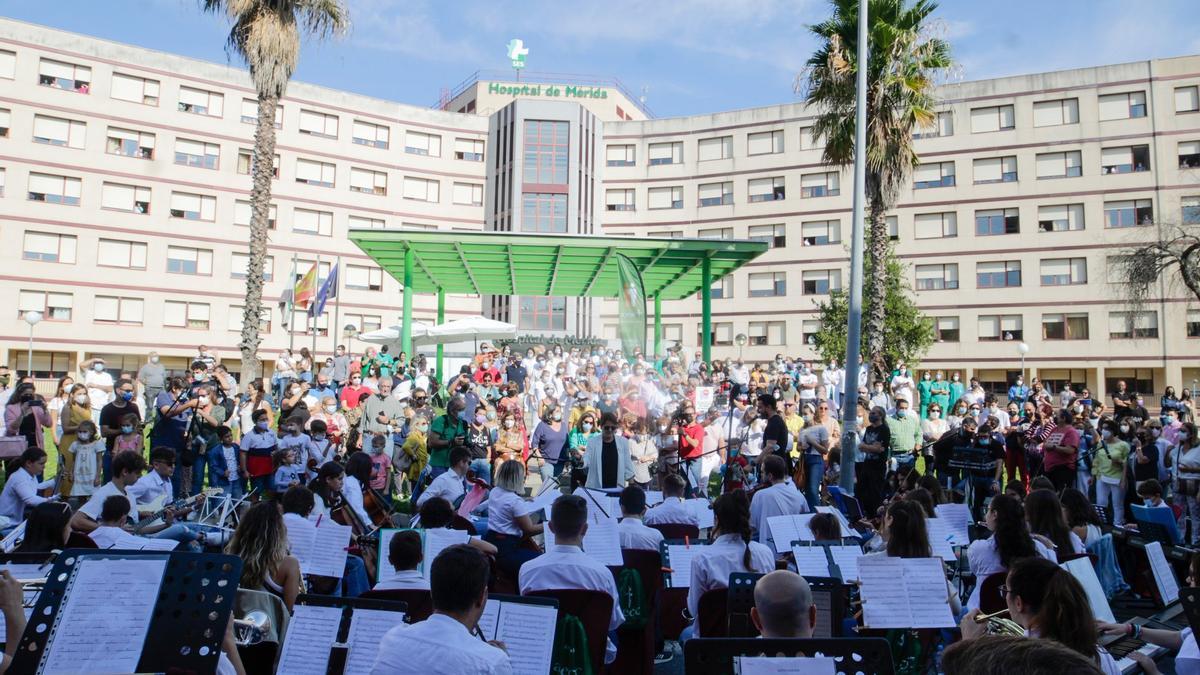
[(876, 287), (262, 171)]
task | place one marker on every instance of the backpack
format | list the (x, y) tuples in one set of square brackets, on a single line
[(633, 599), (571, 654)]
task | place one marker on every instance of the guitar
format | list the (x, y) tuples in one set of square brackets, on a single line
[(160, 507)]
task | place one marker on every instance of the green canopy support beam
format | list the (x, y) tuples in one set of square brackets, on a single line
[(599, 270), (706, 308), (406, 313), (657, 325), (441, 319), (512, 271), (554, 271), (466, 266)]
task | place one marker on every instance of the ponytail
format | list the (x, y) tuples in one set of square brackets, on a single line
[(732, 514), (1061, 608)]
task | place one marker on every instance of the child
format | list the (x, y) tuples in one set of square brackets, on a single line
[(131, 436), (825, 527), (735, 469), (381, 465), (293, 438), (320, 451), (1152, 494), (414, 451), (114, 514), (223, 465), (87, 449), (286, 474), (405, 555)]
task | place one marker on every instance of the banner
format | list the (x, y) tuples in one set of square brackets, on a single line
[(631, 307)]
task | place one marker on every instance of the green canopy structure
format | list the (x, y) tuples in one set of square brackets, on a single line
[(558, 265)]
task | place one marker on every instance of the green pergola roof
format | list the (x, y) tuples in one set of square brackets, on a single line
[(576, 265)]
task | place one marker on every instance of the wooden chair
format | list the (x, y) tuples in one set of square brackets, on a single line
[(593, 609), (989, 593), (460, 523), (678, 531), (420, 603), (713, 621), (635, 648)]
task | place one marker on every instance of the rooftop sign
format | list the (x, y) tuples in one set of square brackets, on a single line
[(547, 90)]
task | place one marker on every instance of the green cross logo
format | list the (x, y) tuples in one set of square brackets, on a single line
[(517, 51)]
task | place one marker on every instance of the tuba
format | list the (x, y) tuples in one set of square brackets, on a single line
[(998, 624)]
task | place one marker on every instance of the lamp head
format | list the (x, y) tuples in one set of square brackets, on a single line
[(1023, 348), (32, 317)]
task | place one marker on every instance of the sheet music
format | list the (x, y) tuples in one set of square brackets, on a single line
[(95, 634), (811, 561), (958, 520), (847, 531), (823, 599), (680, 557), (542, 501), (385, 542), (311, 633), (846, 558), (367, 628), (321, 549), (1081, 569), (653, 497), (602, 541), (134, 543), (527, 631), (4, 627), (26, 570), (940, 539), (904, 593), (302, 537), (789, 665), (10, 541), (434, 542), (702, 509), (489, 618), (1164, 576), (599, 505), (784, 531)]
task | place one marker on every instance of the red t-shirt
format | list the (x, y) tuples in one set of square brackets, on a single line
[(350, 395), (695, 432), (1068, 436)]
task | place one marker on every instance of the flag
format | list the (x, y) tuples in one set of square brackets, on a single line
[(631, 307), (305, 288), (328, 290)]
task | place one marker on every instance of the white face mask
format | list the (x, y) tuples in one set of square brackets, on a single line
[(153, 359), (934, 414), (84, 436), (81, 399), (203, 400), (331, 409), (557, 416), (508, 424), (587, 426)]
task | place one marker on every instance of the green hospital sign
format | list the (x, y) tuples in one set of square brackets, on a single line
[(547, 91)]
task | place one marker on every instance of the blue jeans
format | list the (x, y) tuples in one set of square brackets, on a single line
[(198, 470), (354, 579), (814, 471), (693, 468), (551, 469), (106, 465), (482, 469), (184, 533)]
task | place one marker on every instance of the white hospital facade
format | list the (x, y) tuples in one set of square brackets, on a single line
[(125, 202)]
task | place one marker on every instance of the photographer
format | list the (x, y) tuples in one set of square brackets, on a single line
[(26, 415), (691, 445)]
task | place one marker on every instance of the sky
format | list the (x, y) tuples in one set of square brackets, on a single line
[(686, 56)]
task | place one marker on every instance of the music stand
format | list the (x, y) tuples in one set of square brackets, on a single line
[(340, 650), (1157, 524), (739, 600), (715, 656), (1189, 599)]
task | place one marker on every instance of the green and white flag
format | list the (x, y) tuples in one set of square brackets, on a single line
[(631, 307)]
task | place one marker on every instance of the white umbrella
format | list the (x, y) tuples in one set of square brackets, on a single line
[(391, 336), (474, 328)]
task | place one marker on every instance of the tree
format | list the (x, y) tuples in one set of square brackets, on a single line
[(266, 35), (907, 332), (902, 68), (1173, 257)]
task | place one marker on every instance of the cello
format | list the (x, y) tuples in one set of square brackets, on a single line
[(363, 540)]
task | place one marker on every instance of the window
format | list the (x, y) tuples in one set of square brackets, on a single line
[(197, 154), (364, 322), (318, 124), (58, 131), (364, 222), (993, 118), (995, 170), (714, 148), (422, 189), (44, 187), (934, 175), (820, 282), (468, 193), (716, 194), (201, 102), (665, 153), (237, 315), (1189, 208), (672, 332), (193, 207), (721, 335), (185, 260), (47, 247), (1059, 164), (1056, 113), (303, 266), (721, 289), (8, 64), (808, 331), (1187, 99), (1115, 268), (364, 278), (665, 197), (942, 126), (1123, 106), (620, 155), (250, 113), (129, 198), (306, 221), (1125, 159), (937, 277), (820, 232), (1193, 323), (240, 263), (946, 328), (468, 149), (1001, 327), (936, 225), (1060, 218), (767, 333), (1132, 325), (998, 274), (3, 179), (808, 141), (893, 227), (130, 143), (110, 309), (242, 213), (418, 143), (133, 88), (997, 221), (819, 185), (764, 143), (5, 122), (775, 235), (619, 200), (542, 313), (185, 315), (368, 181), (245, 163), (768, 284), (53, 306), (316, 173), (716, 233), (1065, 326), (65, 76), (542, 212), (1064, 271), (1189, 154), (767, 189), (1128, 213), (545, 152)]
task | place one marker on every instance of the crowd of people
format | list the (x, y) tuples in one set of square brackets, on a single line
[(1043, 470)]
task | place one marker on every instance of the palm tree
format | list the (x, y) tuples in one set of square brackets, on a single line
[(266, 35), (903, 65)]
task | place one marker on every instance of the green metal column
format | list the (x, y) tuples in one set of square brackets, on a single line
[(406, 312), (441, 319), (706, 309), (657, 326)]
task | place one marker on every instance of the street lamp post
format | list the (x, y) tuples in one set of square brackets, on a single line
[(1023, 348), (349, 332), (740, 341), (32, 318)]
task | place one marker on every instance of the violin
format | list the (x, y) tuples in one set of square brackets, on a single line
[(377, 508)]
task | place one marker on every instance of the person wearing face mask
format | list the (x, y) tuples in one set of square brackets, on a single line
[(1060, 452), (110, 420), (1018, 393), (1138, 415), (940, 391), (87, 450), (99, 383), (577, 440), (382, 414), (152, 376), (1185, 458), (607, 458), (254, 457), (1108, 470), (902, 384), (992, 408), (353, 390), (548, 444), (336, 425), (481, 442), (209, 416), (876, 440), (26, 415), (510, 440), (1155, 431), (956, 388), (879, 397), (933, 426), (958, 413), (925, 393)]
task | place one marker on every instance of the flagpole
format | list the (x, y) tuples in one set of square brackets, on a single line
[(312, 309), (291, 319), (335, 331)]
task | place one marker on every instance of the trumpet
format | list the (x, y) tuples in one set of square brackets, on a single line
[(252, 629), (999, 625)]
